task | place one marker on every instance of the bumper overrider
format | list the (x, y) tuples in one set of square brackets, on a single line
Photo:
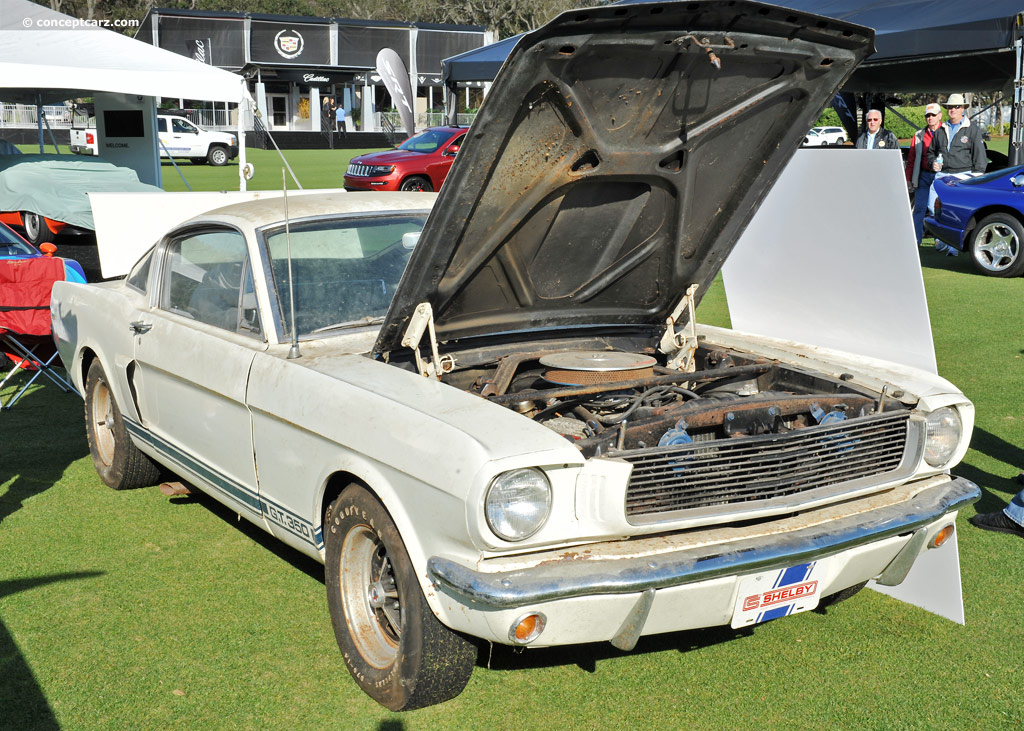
[(885, 535)]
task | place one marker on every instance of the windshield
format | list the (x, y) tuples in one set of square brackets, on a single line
[(345, 270), (12, 245), (429, 140)]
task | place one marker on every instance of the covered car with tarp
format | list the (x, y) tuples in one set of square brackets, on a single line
[(45, 194)]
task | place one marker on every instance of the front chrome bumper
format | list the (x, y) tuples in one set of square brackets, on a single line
[(583, 576)]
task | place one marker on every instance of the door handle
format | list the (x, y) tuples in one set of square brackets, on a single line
[(139, 327)]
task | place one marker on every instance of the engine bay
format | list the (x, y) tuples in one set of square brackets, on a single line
[(612, 400)]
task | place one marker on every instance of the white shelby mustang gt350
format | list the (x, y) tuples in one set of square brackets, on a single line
[(498, 419)]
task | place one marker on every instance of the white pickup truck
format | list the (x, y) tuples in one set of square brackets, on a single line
[(178, 137)]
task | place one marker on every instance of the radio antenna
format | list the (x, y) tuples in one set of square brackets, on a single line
[(293, 352)]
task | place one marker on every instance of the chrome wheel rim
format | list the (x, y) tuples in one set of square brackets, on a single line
[(32, 223), (996, 247), (102, 416), (369, 595)]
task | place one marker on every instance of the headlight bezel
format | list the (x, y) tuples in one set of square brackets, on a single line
[(499, 504), (944, 429)]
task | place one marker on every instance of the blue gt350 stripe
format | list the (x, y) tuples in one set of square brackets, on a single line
[(241, 494)]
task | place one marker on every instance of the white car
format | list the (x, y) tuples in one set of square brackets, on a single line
[(499, 421), (178, 138), (825, 136)]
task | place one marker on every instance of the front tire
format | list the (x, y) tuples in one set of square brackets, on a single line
[(118, 461), (996, 246), (217, 156), (36, 230), (395, 648), (416, 184)]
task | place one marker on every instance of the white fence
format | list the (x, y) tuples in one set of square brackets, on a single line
[(24, 116)]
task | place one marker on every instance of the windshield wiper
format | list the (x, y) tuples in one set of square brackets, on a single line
[(349, 324)]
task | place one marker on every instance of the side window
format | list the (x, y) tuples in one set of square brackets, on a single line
[(207, 278), (138, 277), (161, 124), (182, 127)]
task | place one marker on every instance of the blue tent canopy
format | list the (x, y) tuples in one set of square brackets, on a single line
[(936, 46)]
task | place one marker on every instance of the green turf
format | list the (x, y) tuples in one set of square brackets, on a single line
[(132, 610)]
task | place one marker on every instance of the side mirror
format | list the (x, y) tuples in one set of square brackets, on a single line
[(452, 150), (409, 240), (1017, 180)]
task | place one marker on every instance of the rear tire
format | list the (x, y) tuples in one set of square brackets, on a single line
[(217, 156), (416, 184), (36, 230), (118, 461), (995, 246), (395, 648)]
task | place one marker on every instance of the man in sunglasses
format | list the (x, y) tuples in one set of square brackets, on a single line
[(961, 148), (875, 137), (920, 175)]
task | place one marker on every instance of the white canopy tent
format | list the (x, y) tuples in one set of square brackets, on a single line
[(47, 57)]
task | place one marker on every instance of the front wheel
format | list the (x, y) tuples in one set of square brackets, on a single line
[(395, 648), (996, 246), (416, 184), (217, 156), (119, 463), (36, 230)]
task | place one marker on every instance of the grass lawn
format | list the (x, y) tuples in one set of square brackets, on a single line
[(132, 610)]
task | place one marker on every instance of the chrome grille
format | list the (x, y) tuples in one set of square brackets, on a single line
[(362, 171), (745, 471)]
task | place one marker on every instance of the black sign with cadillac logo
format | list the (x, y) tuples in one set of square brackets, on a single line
[(297, 43)]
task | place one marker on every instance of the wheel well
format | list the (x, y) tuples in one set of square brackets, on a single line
[(335, 484), (987, 211), (87, 357)]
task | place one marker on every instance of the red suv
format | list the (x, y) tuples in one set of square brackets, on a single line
[(421, 163)]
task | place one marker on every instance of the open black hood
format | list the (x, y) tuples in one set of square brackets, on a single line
[(618, 157)]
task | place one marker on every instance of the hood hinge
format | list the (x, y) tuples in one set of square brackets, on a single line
[(422, 321), (681, 346)]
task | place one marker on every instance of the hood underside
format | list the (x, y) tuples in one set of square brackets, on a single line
[(618, 157)]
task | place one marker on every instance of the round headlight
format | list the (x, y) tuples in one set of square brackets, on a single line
[(944, 430), (518, 503)]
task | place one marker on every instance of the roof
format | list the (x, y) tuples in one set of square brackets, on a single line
[(52, 54), (268, 211)]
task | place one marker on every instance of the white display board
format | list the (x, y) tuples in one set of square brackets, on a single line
[(831, 259)]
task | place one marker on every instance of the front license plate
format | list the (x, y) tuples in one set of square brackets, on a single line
[(778, 593)]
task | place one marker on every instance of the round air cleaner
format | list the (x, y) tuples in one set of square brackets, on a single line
[(588, 367)]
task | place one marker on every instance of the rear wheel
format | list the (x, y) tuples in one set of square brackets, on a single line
[(395, 648), (36, 230), (217, 156), (118, 461), (416, 184), (996, 246)]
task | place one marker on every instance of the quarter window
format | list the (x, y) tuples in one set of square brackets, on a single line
[(207, 278)]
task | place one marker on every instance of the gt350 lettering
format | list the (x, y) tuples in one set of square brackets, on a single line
[(287, 521)]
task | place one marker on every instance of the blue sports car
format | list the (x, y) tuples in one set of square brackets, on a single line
[(12, 246), (983, 216)]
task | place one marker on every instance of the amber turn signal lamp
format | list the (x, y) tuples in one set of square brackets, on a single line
[(942, 536), (526, 629), (47, 248)]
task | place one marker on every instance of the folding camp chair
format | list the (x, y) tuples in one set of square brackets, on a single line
[(25, 338)]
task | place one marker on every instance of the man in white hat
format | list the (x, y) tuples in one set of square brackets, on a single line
[(958, 150), (919, 175)]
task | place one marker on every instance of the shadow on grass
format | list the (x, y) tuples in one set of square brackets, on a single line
[(42, 435), (296, 559), (999, 449), (585, 657), (23, 704)]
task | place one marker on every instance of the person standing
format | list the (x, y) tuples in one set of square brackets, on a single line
[(961, 148), (874, 137), (1008, 520), (919, 174)]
